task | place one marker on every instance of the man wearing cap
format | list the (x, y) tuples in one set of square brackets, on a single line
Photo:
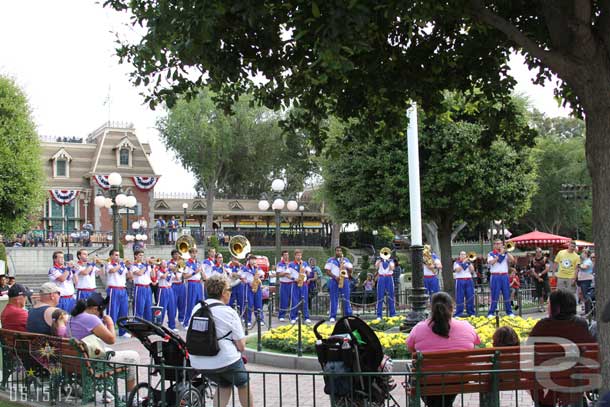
[(63, 276), (40, 318), (15, 316)]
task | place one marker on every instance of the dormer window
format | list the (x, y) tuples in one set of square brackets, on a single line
[(124, 153), (124, 157), (61, 164)]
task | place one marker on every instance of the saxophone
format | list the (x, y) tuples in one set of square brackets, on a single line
[(256, 282), (302, 276), (342, 272)]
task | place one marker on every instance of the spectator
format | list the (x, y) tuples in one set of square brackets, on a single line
[(85, 236), (11, 281), (442, 332), (14, 315), (585, 279), (566, 264), (74, 237), (227, 368), (38, 236), (561, 323), (369, 285), (58, 326), (539, 271), (313, 279), (515, 284), (3, 287), (40, 318), (88, 319), (161, 231), (505, 336)]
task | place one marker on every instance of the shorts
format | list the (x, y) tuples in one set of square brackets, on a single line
[(233, 375), (543, 288)]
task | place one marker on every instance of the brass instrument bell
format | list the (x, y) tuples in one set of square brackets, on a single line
[(472, 256), (239, 247), (385, 253), (184, 244), (510, 246)]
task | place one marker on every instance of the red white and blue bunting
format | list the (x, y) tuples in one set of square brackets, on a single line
[(102, 181), (63, 196), (145, 183)]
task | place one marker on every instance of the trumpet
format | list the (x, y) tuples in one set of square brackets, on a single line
[(155, 262), (180, 264), (385, 253), (472, 256), (342, 273), (127, 263), (427, 256), (101, 262), (510, 246)]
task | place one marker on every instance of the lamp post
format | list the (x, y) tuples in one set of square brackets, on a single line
[(576, 192), (277, 186), (184, 208), (116, 199)]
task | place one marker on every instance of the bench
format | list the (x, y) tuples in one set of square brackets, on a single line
[(489, 371), (64, 362)]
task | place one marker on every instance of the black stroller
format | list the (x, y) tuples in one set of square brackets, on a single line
[(353, 347), (186, 388)]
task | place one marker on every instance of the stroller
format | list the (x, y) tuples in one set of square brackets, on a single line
[(186, 388), (353, 347)]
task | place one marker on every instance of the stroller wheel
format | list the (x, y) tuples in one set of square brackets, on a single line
[(141, 396), (189, 397)]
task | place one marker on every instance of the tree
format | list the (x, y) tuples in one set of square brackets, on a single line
[(368, 59), (372, 177), (20, 176), (233, 155)]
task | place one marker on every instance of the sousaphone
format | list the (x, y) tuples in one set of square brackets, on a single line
[(239, 247), (184, 244)]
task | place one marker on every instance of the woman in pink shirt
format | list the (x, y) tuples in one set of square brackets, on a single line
[(439, 333)]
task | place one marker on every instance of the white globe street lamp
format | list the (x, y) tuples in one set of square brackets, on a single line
[(278, 204), (263, 205), (115, 179), (278, 185), (292, 205)]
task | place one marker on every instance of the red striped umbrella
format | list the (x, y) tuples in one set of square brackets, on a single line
[(537, 238)]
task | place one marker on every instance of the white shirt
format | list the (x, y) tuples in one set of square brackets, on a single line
[(208, 267), (117, 279), (437, 263), (66, 287), (498, 268), (226, 320), (282, 267), (167, 280), (385, 271), (144, 279), (459, 272), (333, 265), (191, 266), (85, 281)]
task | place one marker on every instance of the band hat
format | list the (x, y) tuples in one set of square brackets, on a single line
[(17, 290), (49, 288)]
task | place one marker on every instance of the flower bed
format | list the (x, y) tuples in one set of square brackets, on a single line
[(284, 338)]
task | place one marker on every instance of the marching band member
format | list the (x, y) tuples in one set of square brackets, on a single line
[(498, 260), (118, 304), (464, 286), (167, 300), (430, 274), (385, 284), (333, 270), (254, 290), (154, 283), (86, 271), (63, 275), (143, 294), (239, 291), (286, 284), (178, 286), (219, 267), (194, 290), (208, 267), (298, 266)]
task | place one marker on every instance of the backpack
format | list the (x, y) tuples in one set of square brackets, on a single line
[(201, 339)]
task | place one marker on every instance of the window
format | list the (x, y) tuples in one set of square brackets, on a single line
[(63, 218), (61, 168), (124, 157)]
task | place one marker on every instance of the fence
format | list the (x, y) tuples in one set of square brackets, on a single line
[(31, 378)]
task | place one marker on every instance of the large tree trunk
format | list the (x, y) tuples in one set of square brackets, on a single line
[(444, 237), (334, 237), (431, 234), (598, 151)]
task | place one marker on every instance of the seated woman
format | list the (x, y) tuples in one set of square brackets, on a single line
[(561, 323), (88, 319), (442, 332)]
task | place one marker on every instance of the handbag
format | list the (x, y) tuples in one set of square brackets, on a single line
[(95, 347)]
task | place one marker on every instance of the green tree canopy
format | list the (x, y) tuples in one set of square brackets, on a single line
[(20, 176), (235, 155), (365, 60)]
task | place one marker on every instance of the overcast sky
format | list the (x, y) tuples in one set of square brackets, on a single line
[(61, 53)]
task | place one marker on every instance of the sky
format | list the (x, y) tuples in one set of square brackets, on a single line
[(61, 53)]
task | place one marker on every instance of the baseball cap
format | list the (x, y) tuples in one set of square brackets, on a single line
[(49, 288), (17, 290), (96, 300)]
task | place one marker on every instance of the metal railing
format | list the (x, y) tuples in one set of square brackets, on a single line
[(28, 377)]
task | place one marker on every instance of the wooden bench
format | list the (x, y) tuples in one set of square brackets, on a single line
[(489, 371), (63, 361)]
